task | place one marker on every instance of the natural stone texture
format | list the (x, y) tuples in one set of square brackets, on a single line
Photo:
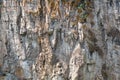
[(59, 40)]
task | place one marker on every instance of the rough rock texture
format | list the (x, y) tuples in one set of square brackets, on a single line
[(59, 39)]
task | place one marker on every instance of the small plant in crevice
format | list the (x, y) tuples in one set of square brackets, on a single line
[(81, 6), (84, 9)]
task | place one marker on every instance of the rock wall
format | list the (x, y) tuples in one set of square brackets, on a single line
[(59, 40)]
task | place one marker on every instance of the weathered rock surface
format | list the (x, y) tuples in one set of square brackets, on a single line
[(59, 40)]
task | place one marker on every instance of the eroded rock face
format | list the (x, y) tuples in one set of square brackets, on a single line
[(59, 40)]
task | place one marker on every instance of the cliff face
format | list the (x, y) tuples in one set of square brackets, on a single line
[(59, 40)]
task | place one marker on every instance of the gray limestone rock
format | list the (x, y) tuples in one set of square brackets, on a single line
[(59, 39)]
